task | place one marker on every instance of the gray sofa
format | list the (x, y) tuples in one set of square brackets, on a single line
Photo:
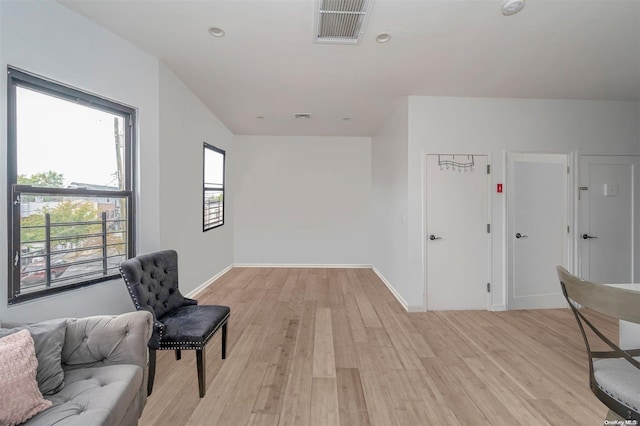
[(104, 363)]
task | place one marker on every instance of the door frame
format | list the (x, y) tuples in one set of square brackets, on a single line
[(570, 214), (425, 237)]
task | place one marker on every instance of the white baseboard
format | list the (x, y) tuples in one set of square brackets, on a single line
[(498, 308), (300, 265), (393, 291), (193, 293)]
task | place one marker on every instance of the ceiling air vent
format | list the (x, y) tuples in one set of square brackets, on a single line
[(341, 21)]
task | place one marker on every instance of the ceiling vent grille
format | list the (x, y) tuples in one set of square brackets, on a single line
[(341, 21)]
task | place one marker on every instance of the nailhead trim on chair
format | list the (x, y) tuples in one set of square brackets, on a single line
[(138, 306), (192, 345), (625, 403)]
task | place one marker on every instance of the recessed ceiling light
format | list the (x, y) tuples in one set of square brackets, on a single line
[(346, 118), (383, 37), (511, 7), (260, 117), (216, 32), (303, 115)]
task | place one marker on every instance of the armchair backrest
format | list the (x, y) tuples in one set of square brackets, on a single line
[(152, 281), (612, 301)]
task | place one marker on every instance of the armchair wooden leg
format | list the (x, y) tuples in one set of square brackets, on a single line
[(202, 381), (178, 355), (224, 341), (152, 370)]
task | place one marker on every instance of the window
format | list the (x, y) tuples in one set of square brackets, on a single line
[(70, 183), (213, 188)]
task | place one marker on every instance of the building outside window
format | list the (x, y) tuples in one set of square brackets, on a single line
[(213, 187), (70, 186)]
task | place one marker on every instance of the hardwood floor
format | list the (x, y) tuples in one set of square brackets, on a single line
[(334, 347)]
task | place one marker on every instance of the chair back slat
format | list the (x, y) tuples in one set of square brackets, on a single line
[(612, 301)]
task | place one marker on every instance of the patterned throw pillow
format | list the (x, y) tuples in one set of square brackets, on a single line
[(20, 398)]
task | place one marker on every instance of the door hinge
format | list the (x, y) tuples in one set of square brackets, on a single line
[(568, 231), (488, 228), (568, 169), (488, 287), (488, 169)]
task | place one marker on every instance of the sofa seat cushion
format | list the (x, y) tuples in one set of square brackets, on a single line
[(191, 326), (93, 396)]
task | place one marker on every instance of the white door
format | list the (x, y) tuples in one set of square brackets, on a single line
[(458, 252), (537, 233), (608, 191)]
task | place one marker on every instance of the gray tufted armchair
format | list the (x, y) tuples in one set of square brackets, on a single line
[(179, 322)]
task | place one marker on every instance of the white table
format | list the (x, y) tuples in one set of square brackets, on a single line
[(629, 331)]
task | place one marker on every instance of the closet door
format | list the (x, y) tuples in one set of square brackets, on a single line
[(608, 198), (458, 242), (537, 229)]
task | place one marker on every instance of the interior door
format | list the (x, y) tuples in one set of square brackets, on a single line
[(607, 196), (458, 252), (537, 232)]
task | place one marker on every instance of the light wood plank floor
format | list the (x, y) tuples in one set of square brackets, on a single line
[(334, 347)]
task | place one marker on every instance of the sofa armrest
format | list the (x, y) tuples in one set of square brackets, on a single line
[(107, 339)]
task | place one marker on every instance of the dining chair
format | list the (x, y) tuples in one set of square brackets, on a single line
[(614, 375), (179, 322)]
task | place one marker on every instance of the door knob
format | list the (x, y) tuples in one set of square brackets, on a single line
[(587, 237), (519, 235), (433, 237)]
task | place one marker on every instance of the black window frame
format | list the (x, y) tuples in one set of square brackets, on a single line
[(205, 224), (19, 78)]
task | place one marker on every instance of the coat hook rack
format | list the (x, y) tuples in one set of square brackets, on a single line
[(449, 162)]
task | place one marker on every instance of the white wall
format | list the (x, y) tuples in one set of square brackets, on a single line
[(185, 123), (302, 200), (298, 200), (494, 126), (48, 39), (389, 179)]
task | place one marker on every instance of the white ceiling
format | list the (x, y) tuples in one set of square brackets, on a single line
[(267, 64)]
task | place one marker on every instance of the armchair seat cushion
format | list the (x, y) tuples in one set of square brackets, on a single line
[(618, 379), (191, 326)]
